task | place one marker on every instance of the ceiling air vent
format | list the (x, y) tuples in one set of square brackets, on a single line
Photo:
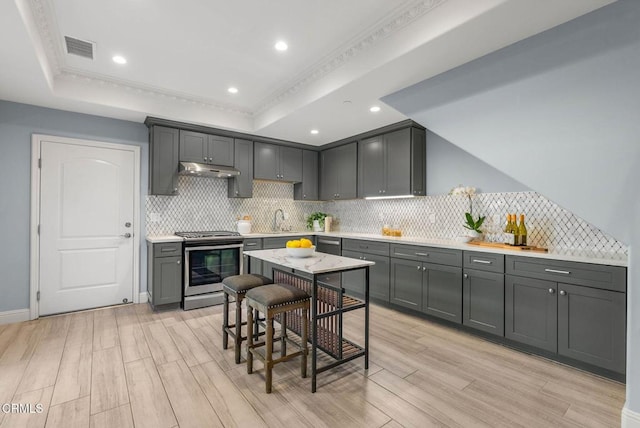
[(79, 47)]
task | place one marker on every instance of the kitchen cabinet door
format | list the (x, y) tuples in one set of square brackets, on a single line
[(308, 189), (241, 186), (290, 164), (164, 155), (194, 147), (371, 164), (221, 150), (442, 291), (353, 282), (252, 265), (483, 301), (328, 174), (531, 312), (406, 283), (418, 162), (347, 171), (166, 282), (398, 163), (266, 162), (591, 326)]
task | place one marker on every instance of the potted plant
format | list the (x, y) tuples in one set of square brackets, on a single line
[(315, 221), (473, 225)]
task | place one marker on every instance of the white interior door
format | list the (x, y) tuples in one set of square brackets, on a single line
[(86, 226)]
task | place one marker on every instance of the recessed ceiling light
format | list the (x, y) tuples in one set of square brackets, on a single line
[(281, 46), (314, 131), (374, 109), (233, 90), (119, 59)]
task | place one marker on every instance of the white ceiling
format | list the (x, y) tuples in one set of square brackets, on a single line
[(183, 55)]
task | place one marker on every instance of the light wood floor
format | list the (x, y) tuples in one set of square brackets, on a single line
[(128, 366)]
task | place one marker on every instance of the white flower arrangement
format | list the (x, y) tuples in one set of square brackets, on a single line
[(469, 192)]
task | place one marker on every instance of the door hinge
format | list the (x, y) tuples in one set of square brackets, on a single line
[(38, 296), (39, 162)]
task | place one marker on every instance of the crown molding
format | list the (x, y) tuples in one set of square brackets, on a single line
[(43, 14)]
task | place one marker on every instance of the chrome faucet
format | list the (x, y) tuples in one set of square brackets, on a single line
[(277, 223)]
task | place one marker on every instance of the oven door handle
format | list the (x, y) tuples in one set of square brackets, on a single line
[(188, 249)]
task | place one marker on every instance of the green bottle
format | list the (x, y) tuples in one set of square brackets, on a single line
[(522, 231)]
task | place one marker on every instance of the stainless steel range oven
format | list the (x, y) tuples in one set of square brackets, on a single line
[(208, 257)]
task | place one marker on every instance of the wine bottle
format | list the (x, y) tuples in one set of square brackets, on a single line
[(516, 230), (522, 231), (509, 232)]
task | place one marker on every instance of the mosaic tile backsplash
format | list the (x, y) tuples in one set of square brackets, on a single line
[(202, 204)]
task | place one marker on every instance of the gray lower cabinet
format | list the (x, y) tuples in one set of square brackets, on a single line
[(164, 277), (430, 288), (254, 265), (274, 162), (354, 282), (241, 186), (164, 150), (308, 189), (483, 301), (531, 312), (338, 172), (591, 326), (442, 291), (406, 283)]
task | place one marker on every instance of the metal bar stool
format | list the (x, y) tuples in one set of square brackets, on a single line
[(272, 300), (237, 286)]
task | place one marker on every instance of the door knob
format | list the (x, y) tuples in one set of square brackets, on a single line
[(563, 293), (466, 276), (551, 291), (126, 235), (127, 224)]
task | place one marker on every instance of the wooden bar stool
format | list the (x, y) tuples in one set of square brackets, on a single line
[(237, 286), (272, 300)]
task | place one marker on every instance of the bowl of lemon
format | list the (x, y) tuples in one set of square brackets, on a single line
[(300, 248)]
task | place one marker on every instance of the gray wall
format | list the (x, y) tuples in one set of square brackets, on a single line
[(17, 123), (448, 166), (559, 113)]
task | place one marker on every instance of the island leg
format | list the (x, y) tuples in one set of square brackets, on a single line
[(314, 331), (366, 318)]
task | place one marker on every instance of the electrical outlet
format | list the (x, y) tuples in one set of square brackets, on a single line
[(155, 217), (432, 218), (285, 216)]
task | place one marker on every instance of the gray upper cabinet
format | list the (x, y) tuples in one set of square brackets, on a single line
[(392, 164), (241, 186), (163, 160), (204, 148), (308, 189), (338, 172), (274, 162)]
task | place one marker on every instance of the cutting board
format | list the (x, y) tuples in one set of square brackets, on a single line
[(508, 247)]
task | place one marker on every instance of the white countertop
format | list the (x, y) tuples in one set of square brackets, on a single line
[(317, 263), (582, 256)]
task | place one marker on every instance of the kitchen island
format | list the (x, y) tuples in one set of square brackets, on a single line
[(328, 303)]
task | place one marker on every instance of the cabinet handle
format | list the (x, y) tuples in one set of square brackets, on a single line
[(210, 159), (326, 241), (175, 190), (167, 250), (251, 244), (563, 293), (419, 267), (424, 268), (551, 291), (563, 272), (304, 196), (384, 191), (484, 262), (178, 262), (422, 254), (364, 257), (465, 276), (402, 254)]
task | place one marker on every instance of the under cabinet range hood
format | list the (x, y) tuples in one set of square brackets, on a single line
[(205, 170)]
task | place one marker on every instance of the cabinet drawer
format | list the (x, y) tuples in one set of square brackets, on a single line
[(488, 262), (277, 242), (440, 256), (167, 249), (590, 275), (369, 247), (252, 244)]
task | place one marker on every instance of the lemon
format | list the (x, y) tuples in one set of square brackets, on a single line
[(305, 243), (293, 244)]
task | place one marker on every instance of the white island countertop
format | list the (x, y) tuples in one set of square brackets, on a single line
[(315, 264)]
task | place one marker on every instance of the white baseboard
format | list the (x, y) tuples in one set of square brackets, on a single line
[(18, 315), (630, 419), (144, 297)]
